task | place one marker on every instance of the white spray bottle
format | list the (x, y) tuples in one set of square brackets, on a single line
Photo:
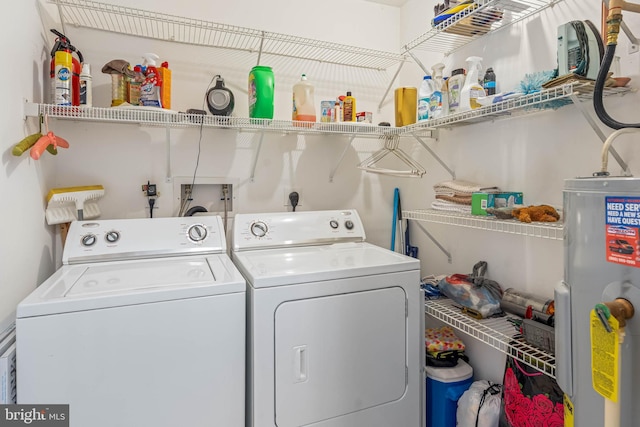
[(150, 88), (472, 90), (439, 103)]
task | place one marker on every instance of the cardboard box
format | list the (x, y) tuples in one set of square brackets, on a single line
[(480, 201), (364, 117)]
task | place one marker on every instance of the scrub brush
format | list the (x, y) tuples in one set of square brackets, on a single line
[(71, 203)]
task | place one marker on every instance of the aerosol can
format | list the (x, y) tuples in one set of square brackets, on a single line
[(65, 72)]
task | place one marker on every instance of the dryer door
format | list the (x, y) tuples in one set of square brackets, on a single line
[(339, 354)]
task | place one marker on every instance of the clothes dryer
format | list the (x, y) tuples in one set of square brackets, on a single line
[(335, 324), (143, 325)]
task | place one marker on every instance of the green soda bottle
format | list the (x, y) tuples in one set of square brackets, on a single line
[(261, 89)]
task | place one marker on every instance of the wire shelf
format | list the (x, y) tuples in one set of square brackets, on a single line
[(545, 230), (143, 23), (481, 18), (499, 333), (166, 118)]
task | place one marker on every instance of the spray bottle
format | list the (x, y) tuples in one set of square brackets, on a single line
[(150, 88), (437, 105), (472, 90)]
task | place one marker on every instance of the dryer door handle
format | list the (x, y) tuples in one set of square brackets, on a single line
[(300, 363)]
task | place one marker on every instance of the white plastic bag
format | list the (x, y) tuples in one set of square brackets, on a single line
[(479, 406)]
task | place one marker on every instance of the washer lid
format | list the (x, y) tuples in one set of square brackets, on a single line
[(287, 266), (114, 284)]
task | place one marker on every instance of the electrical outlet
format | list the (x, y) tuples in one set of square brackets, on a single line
[(290, 190)]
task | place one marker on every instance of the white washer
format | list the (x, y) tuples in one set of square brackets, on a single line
[(143, 325), (334, 324)]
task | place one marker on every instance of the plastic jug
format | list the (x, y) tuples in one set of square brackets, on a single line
[(406, 105), (303, 101), (261, 89), (472, 90), (424, 98)]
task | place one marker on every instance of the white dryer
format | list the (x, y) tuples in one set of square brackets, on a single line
[(334, 324), (143, 325)]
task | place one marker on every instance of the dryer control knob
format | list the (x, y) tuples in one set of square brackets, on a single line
[(259, 229), (112, 236), (88, 240), (334, 224), (197, 233), (349, 224)]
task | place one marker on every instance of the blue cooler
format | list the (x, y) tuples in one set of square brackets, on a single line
[(444, 387)]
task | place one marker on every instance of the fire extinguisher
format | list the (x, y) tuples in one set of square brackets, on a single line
[(65, 71)]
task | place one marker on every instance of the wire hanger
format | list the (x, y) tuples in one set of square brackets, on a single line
[(391, 147)]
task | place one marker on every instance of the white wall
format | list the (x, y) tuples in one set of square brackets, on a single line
[(26, 251)]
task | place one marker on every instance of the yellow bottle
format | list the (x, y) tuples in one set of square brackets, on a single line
[(165, 89), (349, 108)]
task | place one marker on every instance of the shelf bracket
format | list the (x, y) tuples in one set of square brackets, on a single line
[(435, 156), (344, 153), (167, 177), (393, 79), (435, 241), (255, 159), (420, 64), (625, 168), (260, 55)]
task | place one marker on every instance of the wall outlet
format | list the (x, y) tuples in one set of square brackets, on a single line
[(290, 190)]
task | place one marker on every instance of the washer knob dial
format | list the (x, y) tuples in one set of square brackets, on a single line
[(349, 224), (197, 233), (334, 224), (259, 229), (88, 240), (112, 236)]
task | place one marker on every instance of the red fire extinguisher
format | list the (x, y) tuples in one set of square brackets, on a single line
[(58, 89)]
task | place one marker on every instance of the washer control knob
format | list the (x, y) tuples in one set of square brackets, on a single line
[(197, 233), (334, 224), (88, 240), (259, 229), (349, 224), (112, 236)]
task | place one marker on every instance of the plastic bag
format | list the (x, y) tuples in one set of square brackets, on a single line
[(479, 406), (530, 398), (473, 291)]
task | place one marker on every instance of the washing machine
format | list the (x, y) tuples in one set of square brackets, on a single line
[(143, 325), (334, 324)]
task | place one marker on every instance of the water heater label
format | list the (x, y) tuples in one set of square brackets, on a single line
[(622, 230)]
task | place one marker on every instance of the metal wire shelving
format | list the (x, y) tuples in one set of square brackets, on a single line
[(480, 18), (498, 333), (544, 230), (142, 23)]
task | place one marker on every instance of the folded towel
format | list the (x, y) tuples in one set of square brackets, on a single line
[(461, 187), (442, 205), (461, 200)]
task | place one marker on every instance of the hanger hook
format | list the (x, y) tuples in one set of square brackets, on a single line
[(46, 123)]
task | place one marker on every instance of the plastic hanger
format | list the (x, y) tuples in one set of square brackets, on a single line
[(391, 147), (45, 141)]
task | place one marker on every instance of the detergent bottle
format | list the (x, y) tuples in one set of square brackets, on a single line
[(165, 89), (150, 88), (261, 92), (437, 106), (455, 84), (472, 89), (349, 108), (424, 98), (303, 101)]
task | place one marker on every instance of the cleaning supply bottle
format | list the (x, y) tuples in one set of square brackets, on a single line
[(303, 101), (455, 84), (86, 95), (349, 108), (165, 89), (472, 90), (337, 112), (261, 91), (445, 96), (150, 89), (424, 98), (489, 82), (134, 85), (436, 104)]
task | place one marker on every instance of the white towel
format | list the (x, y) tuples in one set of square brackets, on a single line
[(459, 187), (442, 205)]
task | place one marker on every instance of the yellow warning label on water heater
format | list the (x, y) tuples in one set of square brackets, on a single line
[(568, 412), (605, 353)]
